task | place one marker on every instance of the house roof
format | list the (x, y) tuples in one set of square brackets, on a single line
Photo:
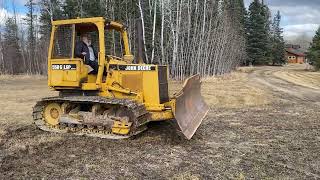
[(294, 46), (295, 52)]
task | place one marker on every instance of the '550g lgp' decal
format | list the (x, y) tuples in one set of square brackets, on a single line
[(64, 66)]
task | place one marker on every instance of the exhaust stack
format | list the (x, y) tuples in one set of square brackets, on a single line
[(140, 51)]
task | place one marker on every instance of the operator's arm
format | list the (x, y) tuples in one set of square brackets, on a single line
[(95, 52), (79, 50)]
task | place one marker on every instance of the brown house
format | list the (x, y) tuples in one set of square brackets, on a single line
[(294, 54)]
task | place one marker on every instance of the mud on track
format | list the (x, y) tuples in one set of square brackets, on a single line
[(277, 137)]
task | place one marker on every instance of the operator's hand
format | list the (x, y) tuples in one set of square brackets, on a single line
[(84, 53)]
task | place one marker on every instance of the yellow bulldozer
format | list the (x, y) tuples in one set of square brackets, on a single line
[(123, 95)]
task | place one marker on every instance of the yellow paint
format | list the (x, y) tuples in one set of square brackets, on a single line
[(139, 85), (163, 115), (52, 113), (121, 127)]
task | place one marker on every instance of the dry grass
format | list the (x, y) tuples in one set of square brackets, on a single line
[(18, 95), (245, 69), (295, 74), (230, 91), (22, 77), (185, 176)]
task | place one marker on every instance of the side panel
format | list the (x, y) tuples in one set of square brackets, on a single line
[(163, 84), (65, 73), (132, 81), (151, 87), (151, 80)]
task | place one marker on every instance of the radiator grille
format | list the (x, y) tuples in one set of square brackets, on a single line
[(163, 84)]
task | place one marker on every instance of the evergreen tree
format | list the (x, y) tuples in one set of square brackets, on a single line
[(258, 34), (11, 49), (30, 20), (314, 51), (242, 16), (242, 12), (95, 8), (267, 40), (72, 9), (49, 10), (84, 8), (278, 44)]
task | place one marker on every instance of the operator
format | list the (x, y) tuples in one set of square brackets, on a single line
[(86, 51)]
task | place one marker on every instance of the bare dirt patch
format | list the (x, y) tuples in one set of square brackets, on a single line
[(275, 137)]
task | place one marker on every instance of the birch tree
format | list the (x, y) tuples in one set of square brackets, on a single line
[(190, 36)]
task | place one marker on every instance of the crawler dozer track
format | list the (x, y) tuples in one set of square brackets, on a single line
[(119, 118)]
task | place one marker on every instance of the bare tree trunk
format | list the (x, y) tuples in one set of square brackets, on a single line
[(143, 30), (162, 32), (154, 30)]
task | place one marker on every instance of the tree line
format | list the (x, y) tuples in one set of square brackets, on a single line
[(208, 37), (313, 54), (264, 36)]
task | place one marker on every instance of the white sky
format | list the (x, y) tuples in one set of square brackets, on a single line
[(299, 17)]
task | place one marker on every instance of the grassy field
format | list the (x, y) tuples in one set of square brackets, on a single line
[(253, 130), (19, 93)]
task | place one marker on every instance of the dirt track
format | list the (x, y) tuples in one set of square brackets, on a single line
[(278, 79), (274, 138)]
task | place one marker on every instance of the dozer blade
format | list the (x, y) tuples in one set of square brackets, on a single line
[(190, 108)]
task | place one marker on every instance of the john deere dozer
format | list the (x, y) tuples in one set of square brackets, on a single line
[(118, 101)]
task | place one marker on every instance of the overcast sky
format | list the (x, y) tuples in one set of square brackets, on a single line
[(299, 17)]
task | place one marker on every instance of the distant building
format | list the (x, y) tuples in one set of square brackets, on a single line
[(294, 54)]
